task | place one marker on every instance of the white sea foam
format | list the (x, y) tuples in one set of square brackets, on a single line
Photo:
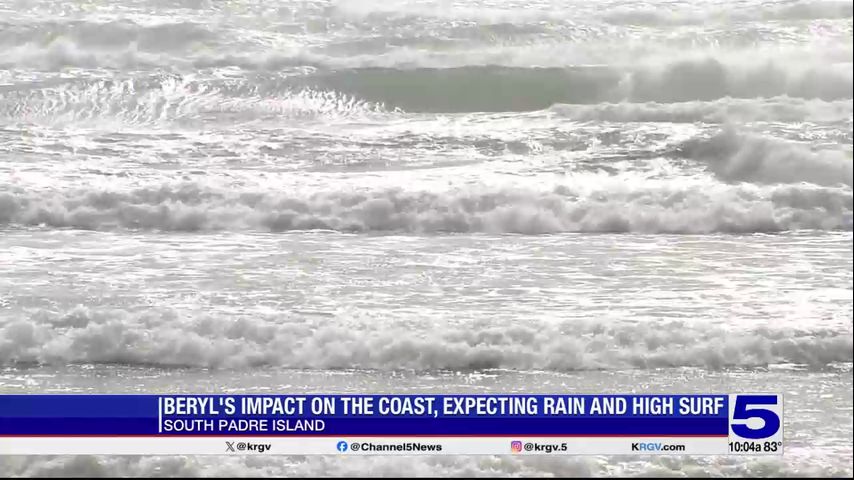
[(658, 207), (777, 109), (422, 466), (168, 339), (171, 100)]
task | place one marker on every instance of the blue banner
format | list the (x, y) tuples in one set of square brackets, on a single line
[(364, 415)]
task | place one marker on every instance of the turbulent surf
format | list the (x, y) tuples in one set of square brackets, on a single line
[(408, 196)]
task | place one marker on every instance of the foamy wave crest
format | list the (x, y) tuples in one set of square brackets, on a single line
[(168, 339), (615, 206), (53, 45), (62, 53), (777, 109), (170, 100), (738, 158)]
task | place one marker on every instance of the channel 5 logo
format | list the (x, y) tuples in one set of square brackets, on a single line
[(756, 417), (515, 446)]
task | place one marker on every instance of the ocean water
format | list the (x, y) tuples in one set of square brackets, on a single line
[(406, 196)]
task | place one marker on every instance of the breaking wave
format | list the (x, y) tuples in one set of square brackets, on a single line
[(743, 158), (653, 207), (166, 339)]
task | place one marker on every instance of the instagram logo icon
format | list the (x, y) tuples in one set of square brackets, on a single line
[(515, 446)]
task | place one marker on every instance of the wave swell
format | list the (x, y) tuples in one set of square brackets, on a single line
[(489, 88), (492, 88)]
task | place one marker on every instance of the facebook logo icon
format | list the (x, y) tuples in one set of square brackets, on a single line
[(342, 446)]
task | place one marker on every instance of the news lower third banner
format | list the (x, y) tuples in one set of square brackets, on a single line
[(747, 424)]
